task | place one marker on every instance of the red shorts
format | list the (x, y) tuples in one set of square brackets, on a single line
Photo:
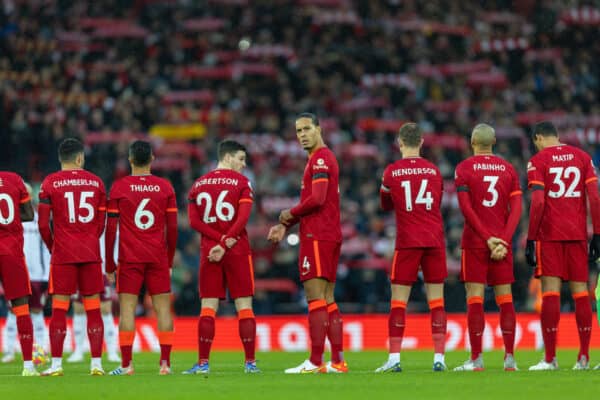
[(406, 262), (478, 267), (131, 277), (566, 260), (65, 279), (39, 293), (318, 259), (14, 277), (106, 295), (234, 272)]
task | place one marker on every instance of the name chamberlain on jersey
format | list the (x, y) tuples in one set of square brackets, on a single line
[(75, 182)]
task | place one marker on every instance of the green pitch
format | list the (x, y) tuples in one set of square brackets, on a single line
[(227, 380)]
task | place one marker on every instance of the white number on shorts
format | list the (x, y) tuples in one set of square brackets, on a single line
[(224, 210), (492, 180), (141, 213), (83, 204), (423, 197), (561, 173), (11, 210)]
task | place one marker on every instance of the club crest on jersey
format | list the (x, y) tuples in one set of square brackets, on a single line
[(320, 164)]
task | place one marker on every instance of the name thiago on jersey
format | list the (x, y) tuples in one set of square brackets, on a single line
[(144, 188)]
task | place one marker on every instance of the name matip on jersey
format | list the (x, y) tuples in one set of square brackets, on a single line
[(142, 203), (217, 196), (416, 187), (324, 223), (12, 194), (563, 171), (490, 181), (75, 197)]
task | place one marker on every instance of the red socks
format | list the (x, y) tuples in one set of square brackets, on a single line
[(95, 326), (335, 333), (25, 329), (247, 330), (58, 326), (476, 324), (507, 321), (396, 324), (550, 317), (583, 317), (318, 321), (126, 339), (165, 339), (438, 325), (206, 333)]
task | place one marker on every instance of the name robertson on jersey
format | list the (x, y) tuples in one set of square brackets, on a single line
[(489, 167), (75, 182), (563, 157), (217, 181), (413, 171), (144, 188)]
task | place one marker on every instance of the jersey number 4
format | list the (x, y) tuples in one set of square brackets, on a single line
[(224, 211), (423, 196)]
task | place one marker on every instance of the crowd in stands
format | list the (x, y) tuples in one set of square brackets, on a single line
[(186, 74)]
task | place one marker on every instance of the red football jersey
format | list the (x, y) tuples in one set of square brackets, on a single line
[(217, 196), (490, 181), (142, 203), (416, 187), (563, 171), (75, 198), (12, 194), (324, 223)]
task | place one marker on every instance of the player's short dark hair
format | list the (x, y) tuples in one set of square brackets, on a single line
[(229, 147), (544, 128), (69, 149), (313, 117), (140, 153), (410, 133)]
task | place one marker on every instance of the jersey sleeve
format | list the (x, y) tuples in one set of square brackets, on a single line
[(101, 196), (589, 172), (171, 199), (385, 182), (24, 196), (246, 193), (460, 180), (515, 188), (45, 192), (535, 174), (112, 207), (320, 168)]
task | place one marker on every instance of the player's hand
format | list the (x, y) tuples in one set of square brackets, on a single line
[(493, 242), (110, 277), (230, 242), (276, 233), (530, 253), (216, 253), (595, 248), (499, 253), (286, 217)]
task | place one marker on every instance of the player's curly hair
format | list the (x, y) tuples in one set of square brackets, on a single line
[(410, 133), (69, 149)]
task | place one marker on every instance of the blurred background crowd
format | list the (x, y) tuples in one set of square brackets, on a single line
[(188, 73)]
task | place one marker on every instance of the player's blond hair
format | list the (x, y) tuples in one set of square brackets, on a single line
[(483, 135), (410, 134)]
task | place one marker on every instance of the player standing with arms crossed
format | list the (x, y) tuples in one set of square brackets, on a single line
[(15, 208), (76, 200), (490, 199), (219, 208), (413, 187), (145, 209), (320, 244), (559, 177)]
